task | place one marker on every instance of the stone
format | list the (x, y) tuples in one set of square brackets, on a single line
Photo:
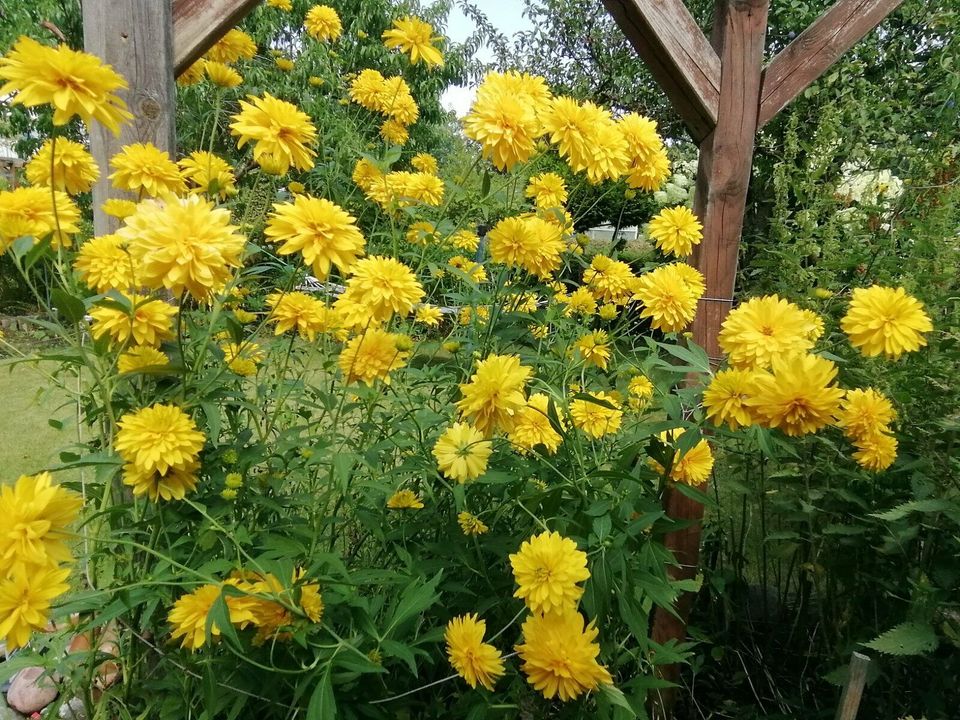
[(29, 692), (73, 709), (6, 712)]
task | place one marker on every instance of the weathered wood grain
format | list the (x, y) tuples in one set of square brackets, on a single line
[(818, 47), (136, 38), (678, 55), (198, 24)]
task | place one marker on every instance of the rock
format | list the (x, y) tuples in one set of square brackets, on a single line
[(73, 709), (29, 692), (6, 713)]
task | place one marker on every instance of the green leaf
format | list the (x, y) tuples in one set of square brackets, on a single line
[(322, 705), (909, 638), (70, 306), (416, 597), (615, 697), (697, 495), (901, 511)]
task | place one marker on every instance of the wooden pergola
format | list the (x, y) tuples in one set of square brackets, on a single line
[(722, 88)]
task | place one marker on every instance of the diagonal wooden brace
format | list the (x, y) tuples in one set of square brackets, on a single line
[(678, 55), (198, 24)]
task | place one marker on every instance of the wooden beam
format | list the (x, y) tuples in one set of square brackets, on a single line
[(818, 47), (853, 689), (720, 196), (198, 24), (679, 57), (136, 38)]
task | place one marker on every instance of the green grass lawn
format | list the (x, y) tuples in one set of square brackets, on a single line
[(28, 442)]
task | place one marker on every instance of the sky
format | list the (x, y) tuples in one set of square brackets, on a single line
[(506, 16)]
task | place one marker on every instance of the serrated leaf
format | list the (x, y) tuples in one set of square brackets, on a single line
[(901, 511), (909, 638)]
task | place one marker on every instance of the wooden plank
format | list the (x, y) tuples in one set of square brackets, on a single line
[(853, 689), (136, 38), (723, 176), (679, 57), (198, 24), (818, 47)]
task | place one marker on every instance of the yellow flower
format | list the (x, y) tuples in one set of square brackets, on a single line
[(211, 174), (763, 328), (74, 170), (281, 134), (159, 438), (404, 500), (640, 391), (139, 358), (425, 188), (882, 320), (725, 399), (424, 162), (185, 245), (505, 126), (648, 166), (560, 655), (876, 452), (173, 484), (692, 467), (323, 23), (36, 513), (580, 302), (104, 264), (316, 81), (864, 413), (494, 395), (532, 427), (470, 524), (378, 288), (372, 356), (547, 569), (462, 452), (415, 37), (567, 125), (233, 46), (466, 240), (594, 348), (285, 5), (676, 230), (429, 315), (189, 617), (119, 208), (298, 311), (73, 82), (797, 396), (610, 281), (145, 168), (473, 659), (242, 358), (606, 157), (193, 74), (222, 75), (365, 174), (529, 242), (25, 602), (547, 190), (367, 89), (474, 271), (37, 212), (668, 299), (284, 64), (323, 232), (147, 322), (594, 419), (394, 132)]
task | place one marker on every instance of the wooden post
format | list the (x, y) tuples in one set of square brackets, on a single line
[(136, 38), (720, 197), (853, 689)]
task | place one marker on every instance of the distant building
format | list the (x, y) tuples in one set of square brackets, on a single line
[(10, 163)]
